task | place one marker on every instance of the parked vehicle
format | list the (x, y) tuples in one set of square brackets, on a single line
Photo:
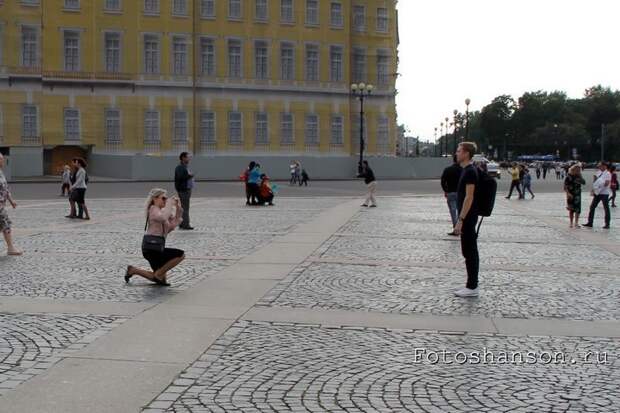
[(493, 168)]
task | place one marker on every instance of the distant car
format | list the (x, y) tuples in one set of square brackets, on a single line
[(493, 169)]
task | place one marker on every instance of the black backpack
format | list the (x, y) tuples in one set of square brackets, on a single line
[(486, 191)]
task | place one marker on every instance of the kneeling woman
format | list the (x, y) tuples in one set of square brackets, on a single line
[(160, 221)]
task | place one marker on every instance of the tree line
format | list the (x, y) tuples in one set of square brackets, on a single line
[(545, 123)]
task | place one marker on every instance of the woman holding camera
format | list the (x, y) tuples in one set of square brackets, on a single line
[(163, 215)]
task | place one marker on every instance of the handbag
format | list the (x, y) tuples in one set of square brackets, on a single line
[(154, 243)]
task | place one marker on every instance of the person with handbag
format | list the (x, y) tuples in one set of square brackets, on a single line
[(163, 215), (601, 190)]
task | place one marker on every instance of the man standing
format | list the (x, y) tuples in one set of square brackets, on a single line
[(449, 184), (371, 183), (184, 183), (468, 218), (516, 180), (601, 189)]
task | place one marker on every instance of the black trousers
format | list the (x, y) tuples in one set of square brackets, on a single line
[(469, 248), (595, 201), (513, 185), (185, 197)]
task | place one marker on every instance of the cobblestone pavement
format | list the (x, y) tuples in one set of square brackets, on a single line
[(259, 367), (32, 343), (397, 259), (413, 290)]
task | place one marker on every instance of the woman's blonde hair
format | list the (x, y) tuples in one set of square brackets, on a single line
[(154, 193), (575, 169)]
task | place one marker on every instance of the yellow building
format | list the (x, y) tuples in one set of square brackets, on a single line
[(220, 77)]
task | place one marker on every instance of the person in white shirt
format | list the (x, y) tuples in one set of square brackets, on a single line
[(601, 190)]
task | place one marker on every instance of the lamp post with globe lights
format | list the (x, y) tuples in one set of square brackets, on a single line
[(361, 91), (467, 102), (447, 135), (456, 112), (440, 142), (436, 142)]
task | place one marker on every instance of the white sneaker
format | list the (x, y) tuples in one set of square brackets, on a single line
[(466, 292)]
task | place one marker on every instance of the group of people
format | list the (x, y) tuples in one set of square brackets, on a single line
[(521, 180), (298, 174), (604, 188), (258, 187), (74, 185)]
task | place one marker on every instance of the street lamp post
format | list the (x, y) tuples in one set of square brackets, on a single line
[(440, 142), (361, 91), (447, 134), (467, 102), (436, 141), (456, 112)]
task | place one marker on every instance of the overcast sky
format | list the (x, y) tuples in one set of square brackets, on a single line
[(454, 49)]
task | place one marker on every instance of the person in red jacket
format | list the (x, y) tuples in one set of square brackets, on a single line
[(265, 191), (614, 185)]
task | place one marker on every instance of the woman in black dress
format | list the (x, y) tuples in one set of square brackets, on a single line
[(572, 187), (163, 215)]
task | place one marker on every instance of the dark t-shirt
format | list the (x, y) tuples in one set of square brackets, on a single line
[(469, 176)]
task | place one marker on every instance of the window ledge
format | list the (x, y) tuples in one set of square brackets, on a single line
[(288, 22), (70, 10), (313, 25), (235, 19), (180, 15), (207, 17), (261, 21), (113, 11), (151, 13), (336, 26)]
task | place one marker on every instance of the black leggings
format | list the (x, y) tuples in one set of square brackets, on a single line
[(469, 248)]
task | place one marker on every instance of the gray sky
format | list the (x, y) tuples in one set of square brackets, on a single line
[(454, 49)]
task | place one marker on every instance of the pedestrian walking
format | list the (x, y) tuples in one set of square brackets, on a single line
[(5, 221), (545, 169), (184, 184), (601, 189), (304, 178), (558, 172), (521, 176), (72, 194), (66, 181), (527, 183), (614, 185), (244, 177), (537, 171), (468, 217), (78, 190), (163, 215), (572, 188), (515, 182), (370, 181), (293, 170), (449, 183)]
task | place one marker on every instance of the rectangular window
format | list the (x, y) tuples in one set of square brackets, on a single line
[(335, 56), (383, 65), (234, 58), (336, 17), (234, 9), (72, 4), (151, 126), (359, 18), (312, 62), (151, 54), (112, 125), (72, 50), (151, 6), (359, 65), (383, 133), (29, 122), (287, 61), (337, 130), (312, 130), (112, 5), (72, 124), (179, 7), (29, 46), (261, 60), (207, 127), (312, 12), (179, 55), (179, 126), (207, 8), (207, 57), (382, 20), (112, 52), (262, 134), (287, 128), (286, 11), (235, 135), (261, 9)]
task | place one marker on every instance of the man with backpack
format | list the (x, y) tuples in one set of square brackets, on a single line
[(476, 197)]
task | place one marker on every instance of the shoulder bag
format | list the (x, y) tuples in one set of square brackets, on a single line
[(154, 243)]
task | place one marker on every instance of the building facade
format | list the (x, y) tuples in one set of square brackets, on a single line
[(213, 77)]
